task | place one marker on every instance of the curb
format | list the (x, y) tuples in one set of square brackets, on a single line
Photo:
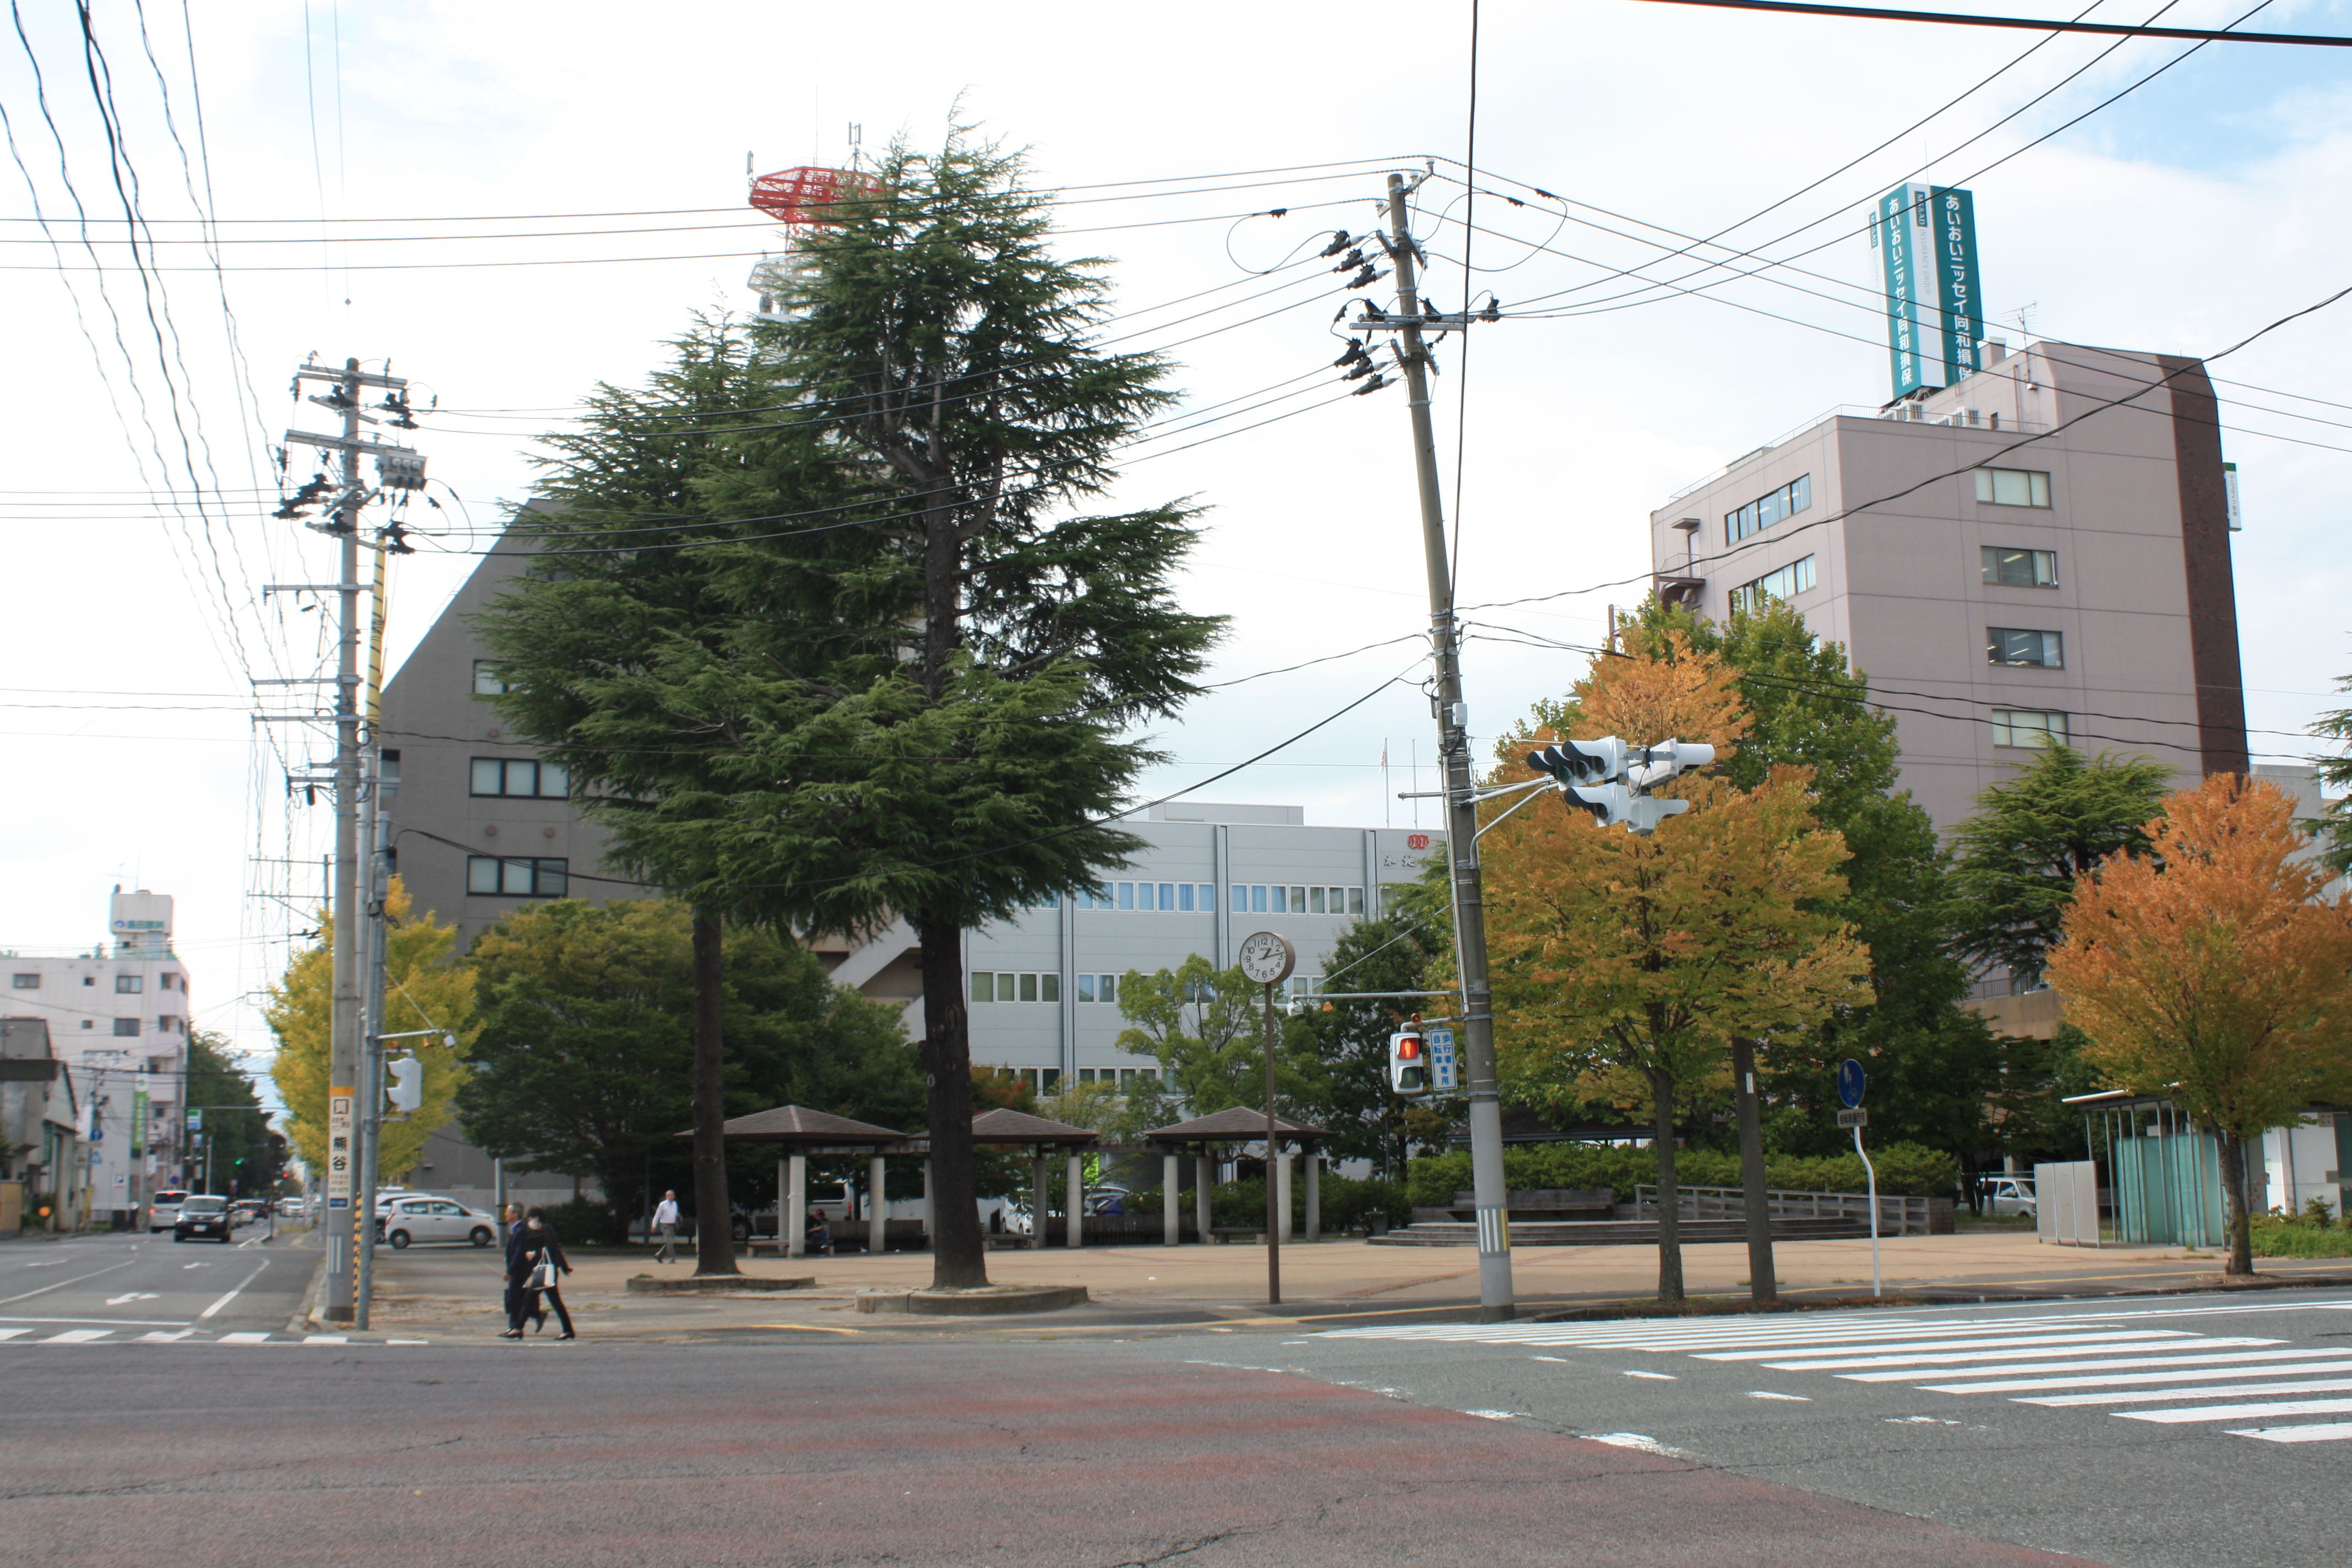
[(305, 1316), (987, 1302), (703, 1284)]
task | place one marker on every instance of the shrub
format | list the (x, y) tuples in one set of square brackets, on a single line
[(1905, 1170), (587, 1220), (2276, 1237), (1344, 1203)]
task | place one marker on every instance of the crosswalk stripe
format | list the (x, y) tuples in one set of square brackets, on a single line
[(1852, 1334), (242, 1340), (77, 1336), (158, 1337), (2318, 1432), (2240, 1412), (1956, 1364), (325, 1340), (2323, 1362), (12, 1333), (2227, 1390), (2007, 1382), (2141, 1336)]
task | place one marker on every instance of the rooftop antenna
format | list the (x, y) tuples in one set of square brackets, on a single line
[(2020, 314), (856, 140)]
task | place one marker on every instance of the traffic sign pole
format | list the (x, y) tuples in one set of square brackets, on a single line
[(1852, 1081)]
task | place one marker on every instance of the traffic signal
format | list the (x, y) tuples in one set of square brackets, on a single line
[(1581, 762), (407, 1084), (1654, 765), (1408, 1063)]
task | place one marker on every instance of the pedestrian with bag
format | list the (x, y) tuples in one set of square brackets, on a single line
[(544, 1255), (666, 1223), (517, 1299)]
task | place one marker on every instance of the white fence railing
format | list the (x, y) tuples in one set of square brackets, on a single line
[(1896, 1216)]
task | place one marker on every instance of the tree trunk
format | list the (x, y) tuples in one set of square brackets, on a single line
[(714, 1228), (2241, 1264), (1763, 1287), (958, 1255), (1670, 1223)]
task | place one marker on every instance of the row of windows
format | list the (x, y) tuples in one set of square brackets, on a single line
[(516, 877), (2029, 649), (1184, 897), (1263, 898), (1249, 897), (1765, 511), (1046, 1080), (2020, 568), (1795, 578), (124, 984), (2028, 727), (2013, 487), (1000, 986), (519, 776)]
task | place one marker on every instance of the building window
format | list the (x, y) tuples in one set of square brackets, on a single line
[(995, 986), (168, 981), (1267, 898), (2028, 727), (2013, 487), (2020, 568), (130, 985), (518, 776), (514, 877), (1186, 897), (1795, 578), (126, 1027), (1765, 511), (485, 680), (168, 1023), (2039, 650), (25, 981)]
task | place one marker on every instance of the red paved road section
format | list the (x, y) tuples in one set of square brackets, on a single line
[(1028, 1456)]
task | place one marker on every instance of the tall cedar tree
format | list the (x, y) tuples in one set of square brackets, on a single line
[(1626, 965), (2332, 829), (1934, 1066), (585, 1064), (651, 643), (2208, 969), (945, 355), (2032, 838)]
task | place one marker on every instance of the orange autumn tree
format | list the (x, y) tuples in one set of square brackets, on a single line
[(1622, 966), (2212, 971)]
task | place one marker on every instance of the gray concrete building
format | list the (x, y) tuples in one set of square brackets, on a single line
[(1999, 596)]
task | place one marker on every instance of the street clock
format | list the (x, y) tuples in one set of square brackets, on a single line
[(1268, 959)]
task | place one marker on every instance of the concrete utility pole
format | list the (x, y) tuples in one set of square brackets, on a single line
[(348, 1224), (1496, 1298)]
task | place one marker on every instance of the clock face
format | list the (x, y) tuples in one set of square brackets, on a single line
[(1266, 958)]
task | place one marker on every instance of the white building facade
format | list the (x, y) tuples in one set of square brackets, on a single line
[(120, 1015)]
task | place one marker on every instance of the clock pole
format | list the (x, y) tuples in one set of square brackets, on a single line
[(1496, 1296), (1274, 1217)]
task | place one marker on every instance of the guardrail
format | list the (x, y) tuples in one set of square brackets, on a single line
[(1896, 1216)]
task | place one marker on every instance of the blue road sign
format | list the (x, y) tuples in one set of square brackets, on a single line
[(1851, 1082)]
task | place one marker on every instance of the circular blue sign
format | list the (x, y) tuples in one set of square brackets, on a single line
[(1851, 1082)]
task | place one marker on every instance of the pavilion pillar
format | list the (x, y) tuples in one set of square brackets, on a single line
[(784, 1193), (1077, 1201), (1171, 1197), (1204, 1171), (1037, 1210), (1314, 1194), (877, 1205), (794, 1218), (1279, 1168)]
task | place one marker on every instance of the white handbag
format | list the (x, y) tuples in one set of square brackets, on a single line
[(541, 1278)]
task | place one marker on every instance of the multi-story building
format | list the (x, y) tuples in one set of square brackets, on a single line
[(118, 1015), (484, 826), (2001, 593), (42, 1167)]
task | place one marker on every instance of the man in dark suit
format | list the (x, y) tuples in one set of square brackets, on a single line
[(517, 1298)]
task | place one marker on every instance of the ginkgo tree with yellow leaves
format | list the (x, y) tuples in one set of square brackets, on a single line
[(1623, 965), (423, 990)]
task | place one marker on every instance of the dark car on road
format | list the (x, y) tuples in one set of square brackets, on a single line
[(203, 1216)]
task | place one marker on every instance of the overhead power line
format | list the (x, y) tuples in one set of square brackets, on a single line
[(2027, 24)]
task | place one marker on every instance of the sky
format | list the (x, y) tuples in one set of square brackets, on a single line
[(511, 203)]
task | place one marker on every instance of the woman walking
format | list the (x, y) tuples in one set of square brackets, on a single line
[(543, 1256)]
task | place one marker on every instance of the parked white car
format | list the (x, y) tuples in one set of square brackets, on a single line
[(406, 1222), (2010, 1195)]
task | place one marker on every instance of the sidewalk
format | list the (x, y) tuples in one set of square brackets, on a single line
[(456, 1290)]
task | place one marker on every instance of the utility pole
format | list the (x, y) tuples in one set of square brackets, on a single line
[(1496, 1298), (399, 467)]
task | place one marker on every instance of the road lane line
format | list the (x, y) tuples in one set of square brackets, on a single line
[(2318, 1431), (61, 1284), (2239, 1411), (242, 1339), (232, 1296), (1918, 1347), (1956, 1366), (2227, 1390), (77, 1336), (2006, 1382)]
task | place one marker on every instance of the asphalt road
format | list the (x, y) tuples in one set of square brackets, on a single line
[(1847, 1438), (128, 1286)]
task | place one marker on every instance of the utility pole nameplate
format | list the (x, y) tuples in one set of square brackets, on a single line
[(339, 1148)]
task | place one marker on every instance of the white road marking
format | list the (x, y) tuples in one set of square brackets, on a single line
[(2007, 1374), (2336, 1362), (196, 1266), (2240, 1412), (1492, 1415), (242, 1340), (1646, 1444), (61, 1284), (1956, 1366), (408, 1341), (12, 1333), (107, 1322), (161, 1338), (2318, 1431), (1919, 1349), (132, 1296), (2227, 1390), (1653, 1377), (77, 1336), (232, 1296), (1767, 1394), (344, 1340)]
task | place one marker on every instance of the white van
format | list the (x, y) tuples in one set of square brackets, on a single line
[(163, 1209)]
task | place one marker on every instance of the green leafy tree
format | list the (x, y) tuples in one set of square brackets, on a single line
[(240, 1151), (585, 1060), (2332, 829), (1342, 1050), (2032, 840), (999, 640), (1206, 1027)]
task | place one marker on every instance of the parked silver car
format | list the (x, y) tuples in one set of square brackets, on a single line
[(407, 1221), (2009, 1195)]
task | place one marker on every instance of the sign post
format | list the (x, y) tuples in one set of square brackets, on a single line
[(1851, 1083)]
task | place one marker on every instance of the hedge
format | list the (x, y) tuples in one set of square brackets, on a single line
[(1242, 1205), (1905, 1170)]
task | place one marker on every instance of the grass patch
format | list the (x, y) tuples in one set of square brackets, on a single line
[(2300, 1238)]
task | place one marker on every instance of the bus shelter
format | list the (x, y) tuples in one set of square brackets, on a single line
[(1204, 1134)]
